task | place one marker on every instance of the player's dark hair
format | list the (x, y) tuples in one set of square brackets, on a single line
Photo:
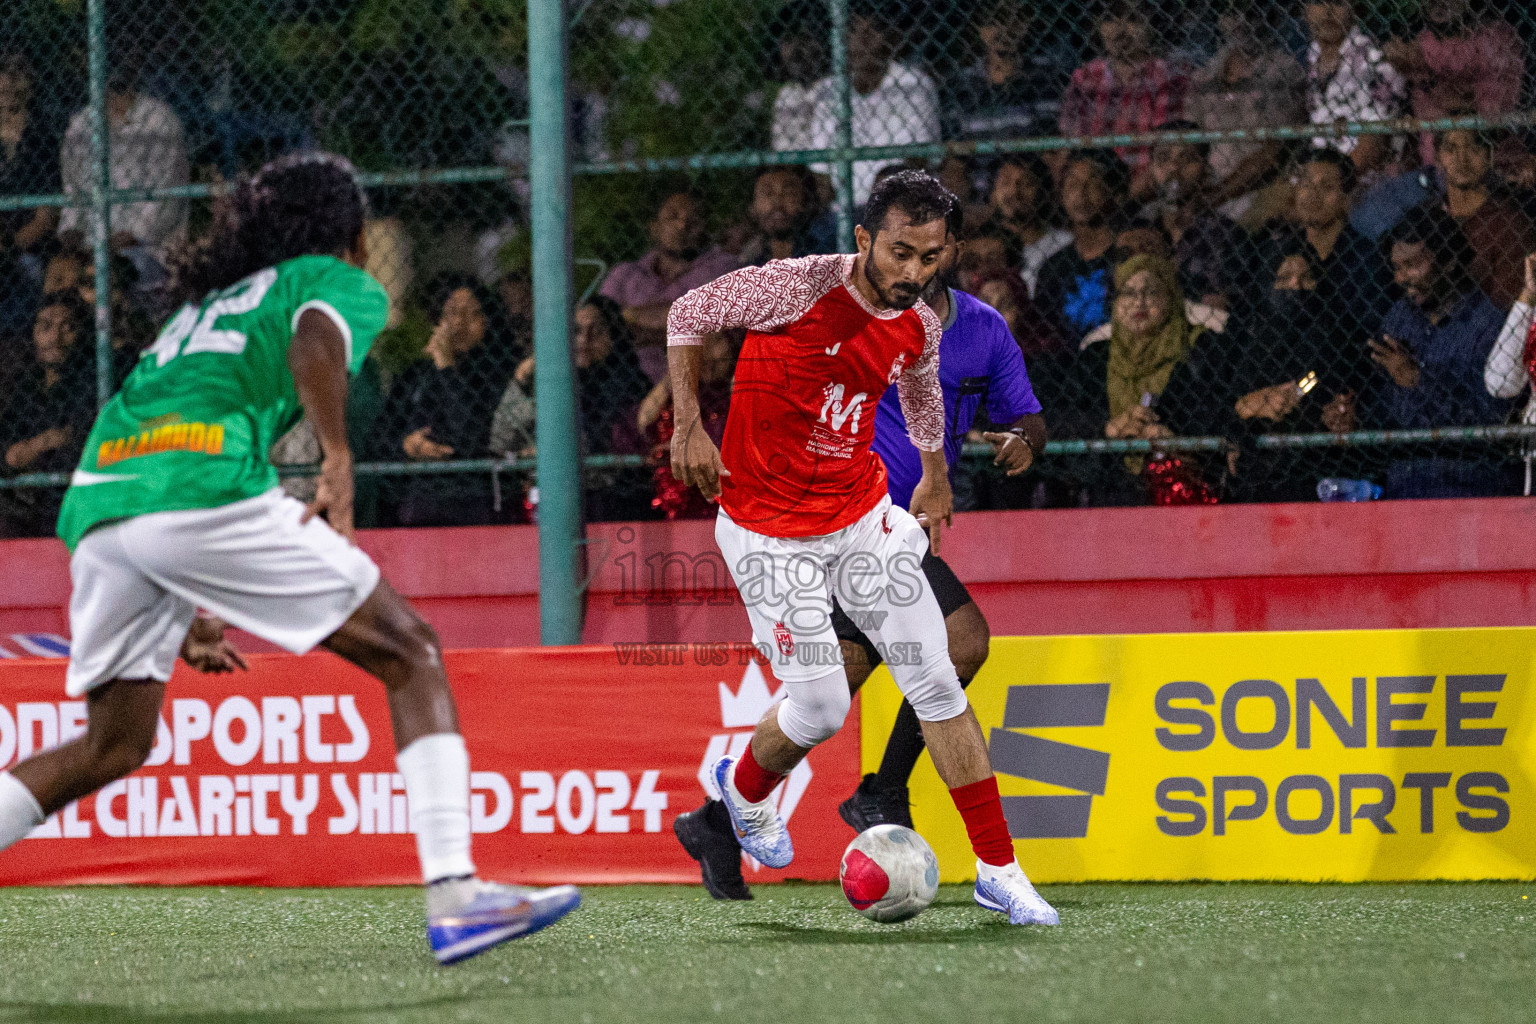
[(917, 194), (1349, 175), (306, 204), (1430, 226)]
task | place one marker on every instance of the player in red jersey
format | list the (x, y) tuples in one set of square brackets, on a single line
[(804, 510)]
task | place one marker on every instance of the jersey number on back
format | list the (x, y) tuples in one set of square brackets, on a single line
[(196, 328)]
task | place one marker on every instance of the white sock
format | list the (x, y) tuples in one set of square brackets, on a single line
[(19, 810), (436, 773)]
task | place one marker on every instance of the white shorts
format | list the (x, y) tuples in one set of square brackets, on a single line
[(139, 582), (874, 566)]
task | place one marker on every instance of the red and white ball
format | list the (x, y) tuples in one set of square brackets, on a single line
[(889, 873)]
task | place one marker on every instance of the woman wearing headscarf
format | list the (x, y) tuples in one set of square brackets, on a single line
[(1156, 338), (1150, 333)]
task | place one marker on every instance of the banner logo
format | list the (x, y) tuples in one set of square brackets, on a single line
[(1020, 754)]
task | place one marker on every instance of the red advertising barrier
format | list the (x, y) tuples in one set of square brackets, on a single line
[(1223, 568), (285, 775)]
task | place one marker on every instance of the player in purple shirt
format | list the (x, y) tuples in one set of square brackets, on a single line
[(979, 363)]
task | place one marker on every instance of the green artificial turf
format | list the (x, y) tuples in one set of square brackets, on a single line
[(1184, 953)]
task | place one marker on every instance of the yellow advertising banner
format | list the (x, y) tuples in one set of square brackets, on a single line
[(1387, 755)]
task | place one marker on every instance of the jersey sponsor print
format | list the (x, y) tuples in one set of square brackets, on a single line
[(816, 355)]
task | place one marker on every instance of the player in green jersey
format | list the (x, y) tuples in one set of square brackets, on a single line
[(176, 525)]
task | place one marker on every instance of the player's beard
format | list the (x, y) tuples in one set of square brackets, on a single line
[(894, 297)]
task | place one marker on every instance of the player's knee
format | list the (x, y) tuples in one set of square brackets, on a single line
[(422, 640), (413, 644), (933, 690), (813, 713)]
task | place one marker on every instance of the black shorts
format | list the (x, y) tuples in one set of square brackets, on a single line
[(946, 587)]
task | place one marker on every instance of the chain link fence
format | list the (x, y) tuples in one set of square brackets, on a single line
[(1245, 246)]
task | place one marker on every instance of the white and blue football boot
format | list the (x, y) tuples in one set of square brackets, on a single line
[(466, 916), (1007, 890), (759, 829)]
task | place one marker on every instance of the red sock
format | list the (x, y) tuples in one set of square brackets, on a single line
[(754, 783), (982, 809)]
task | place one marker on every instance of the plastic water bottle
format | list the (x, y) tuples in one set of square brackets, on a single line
[(1338, 489)]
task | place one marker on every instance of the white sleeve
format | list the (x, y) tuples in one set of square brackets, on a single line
[(1504, 374)]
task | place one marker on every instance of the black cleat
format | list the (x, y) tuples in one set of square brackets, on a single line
[(707, 836), (896, 806), (862, 811), (870, 806)]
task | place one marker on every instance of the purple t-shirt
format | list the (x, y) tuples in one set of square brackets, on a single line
[(638, 284), (978, 361)]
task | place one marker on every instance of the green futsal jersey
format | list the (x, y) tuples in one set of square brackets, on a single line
[(192, 425)]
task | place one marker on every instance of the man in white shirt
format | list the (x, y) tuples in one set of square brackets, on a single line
[(147, 149), (892, 103)]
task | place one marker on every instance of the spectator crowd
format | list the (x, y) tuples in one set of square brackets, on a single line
[(1234, 289)]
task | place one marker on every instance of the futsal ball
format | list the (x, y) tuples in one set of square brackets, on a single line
[(889, 873)]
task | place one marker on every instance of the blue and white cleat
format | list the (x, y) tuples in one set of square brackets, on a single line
[(469, 916), (1007, 890), (758, 827)]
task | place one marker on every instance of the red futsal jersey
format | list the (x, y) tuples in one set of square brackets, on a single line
[(816, 360)]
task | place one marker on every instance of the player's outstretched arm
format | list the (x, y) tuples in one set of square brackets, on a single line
[(317, 357), (695, 459)]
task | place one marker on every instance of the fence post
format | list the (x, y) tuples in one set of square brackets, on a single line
[(840, 82), (101, 196), (559, 455)]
